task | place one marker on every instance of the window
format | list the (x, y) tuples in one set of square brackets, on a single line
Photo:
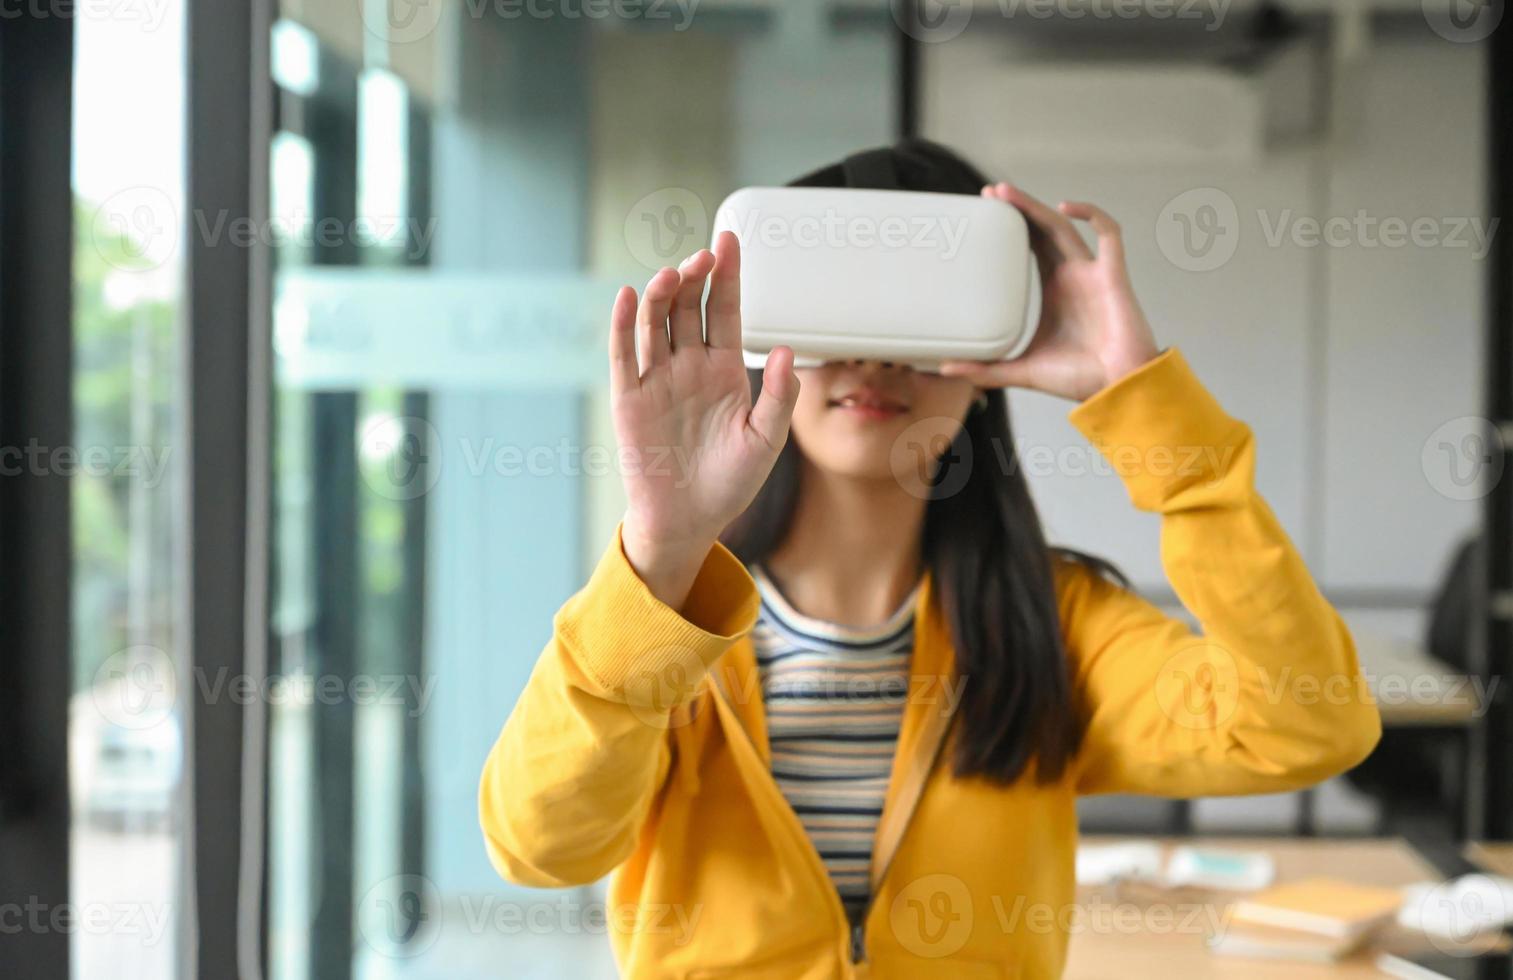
[(126, 738)]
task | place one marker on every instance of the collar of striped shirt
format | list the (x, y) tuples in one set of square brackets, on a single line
[(784, 616)]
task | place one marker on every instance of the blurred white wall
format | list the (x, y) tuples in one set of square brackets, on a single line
[(1343, 359)]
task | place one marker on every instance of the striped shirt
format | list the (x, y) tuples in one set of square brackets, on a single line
[(835, 699)]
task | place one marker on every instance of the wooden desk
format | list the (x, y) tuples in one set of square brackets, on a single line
[(1171, 952), (1414, 690), (1496, 858)]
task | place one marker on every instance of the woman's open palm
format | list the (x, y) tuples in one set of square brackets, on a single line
[(694, 450)]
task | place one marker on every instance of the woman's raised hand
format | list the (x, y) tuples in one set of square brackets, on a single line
[(1091, 332), (694, 450)]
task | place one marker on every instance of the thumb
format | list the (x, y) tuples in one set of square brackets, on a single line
[(774, 406)]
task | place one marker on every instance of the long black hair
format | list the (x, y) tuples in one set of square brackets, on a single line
[(983, 545)]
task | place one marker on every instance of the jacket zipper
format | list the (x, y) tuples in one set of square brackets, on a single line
[(859, 929)]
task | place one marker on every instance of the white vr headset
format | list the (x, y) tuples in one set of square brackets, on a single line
[(902, 276)]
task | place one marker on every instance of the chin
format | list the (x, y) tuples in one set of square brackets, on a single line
[(846, 452), (871, 470)]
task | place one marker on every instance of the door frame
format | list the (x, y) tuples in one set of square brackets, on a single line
[(36, 407)]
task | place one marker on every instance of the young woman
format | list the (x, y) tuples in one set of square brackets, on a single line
[(848, 740)]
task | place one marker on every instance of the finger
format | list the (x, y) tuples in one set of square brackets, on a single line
[(1056, 226), (1017, 373), (651, 319), (623, 373), (1047, 252), (722, 312), (1110, 238), (687, 311), (774, 405)]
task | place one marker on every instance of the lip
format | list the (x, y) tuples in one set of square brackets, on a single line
[(870, 403)]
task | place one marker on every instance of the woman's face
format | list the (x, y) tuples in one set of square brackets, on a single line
[(876, 420)]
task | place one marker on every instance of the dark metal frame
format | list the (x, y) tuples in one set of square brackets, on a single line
[(908, 66), (1497, 778), (36, 403), (227, 115)]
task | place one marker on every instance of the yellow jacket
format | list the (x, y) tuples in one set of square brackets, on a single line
[(639, 745)]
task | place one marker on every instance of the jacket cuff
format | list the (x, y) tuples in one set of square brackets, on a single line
[(631, 643), (1167, 437)]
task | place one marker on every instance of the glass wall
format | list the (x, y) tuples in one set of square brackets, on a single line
[(458, 191)]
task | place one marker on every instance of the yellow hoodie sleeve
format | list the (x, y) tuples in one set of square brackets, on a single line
[(1269, 697), (585, 750)]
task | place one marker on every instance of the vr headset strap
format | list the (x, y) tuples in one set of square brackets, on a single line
[(871, 168)]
